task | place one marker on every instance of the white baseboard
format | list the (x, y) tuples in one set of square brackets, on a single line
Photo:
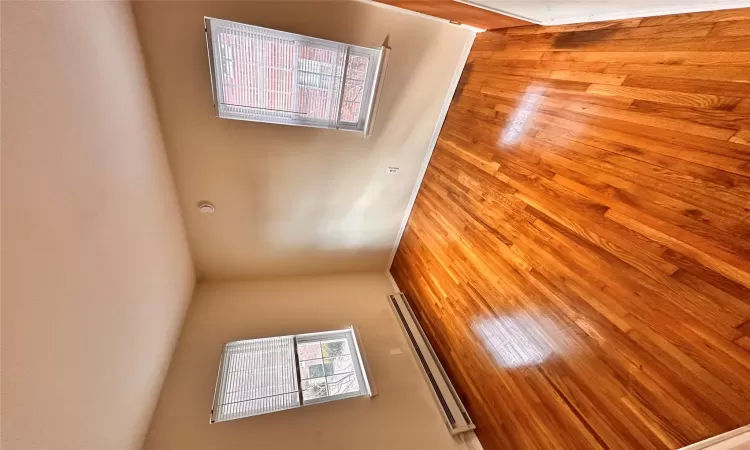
[(499, 11), (471, 441), (393, 282), (468, 440), (735, 439), (655, 8), (433, 141)]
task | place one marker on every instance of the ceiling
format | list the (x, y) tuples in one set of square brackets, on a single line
[(293, 200), (558, 12)]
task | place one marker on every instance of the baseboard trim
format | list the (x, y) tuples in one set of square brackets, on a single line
[(716, 440), (392, 280), (500, 11), (676, 8), (433, 142)]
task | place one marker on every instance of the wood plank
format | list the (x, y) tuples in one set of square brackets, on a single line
[(514, 55), (711, 87), (733, 28), (665, 96), (683, 44), (502, 69), (587, 77), (610, 34), (736, 58), (715, 259), (537, 64), (540, 86), (742, 107), (719, 73), (613, 24), (618, 180), (663, 141), (556, 96), (717, 118), (606, 38), (700, 17), (579, 251), (741, 137), (652, 120)]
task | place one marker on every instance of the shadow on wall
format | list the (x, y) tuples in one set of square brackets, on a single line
[(294, 200)]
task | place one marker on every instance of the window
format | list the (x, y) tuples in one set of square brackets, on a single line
[(260, 376), (272, 76), (329, 368)]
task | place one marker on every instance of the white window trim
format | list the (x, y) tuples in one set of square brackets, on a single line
[(367, 388)]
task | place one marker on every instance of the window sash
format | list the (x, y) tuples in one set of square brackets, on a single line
[(261, 75), (356, 360), (264, 399)]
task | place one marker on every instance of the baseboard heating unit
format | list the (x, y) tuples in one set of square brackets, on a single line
[(454, 413)]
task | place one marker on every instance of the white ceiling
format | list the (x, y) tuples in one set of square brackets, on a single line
[(559, 12)]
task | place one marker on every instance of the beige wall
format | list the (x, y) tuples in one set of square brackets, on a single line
[(294, 200), (95, 265), (402, 416)]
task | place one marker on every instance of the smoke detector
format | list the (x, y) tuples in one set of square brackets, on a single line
[(206, 207)]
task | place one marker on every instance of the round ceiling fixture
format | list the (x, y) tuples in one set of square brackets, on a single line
[(206, 207)]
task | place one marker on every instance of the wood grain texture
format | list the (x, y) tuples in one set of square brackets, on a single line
[(579, 251), (458, 12)]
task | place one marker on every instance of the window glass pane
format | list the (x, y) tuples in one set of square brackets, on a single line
[(357, 68), (339, 364), (309, 350), (317, 90), (353, 91), (311, 369), (350, 112), (342, 384), (314, 388), (335, 347)]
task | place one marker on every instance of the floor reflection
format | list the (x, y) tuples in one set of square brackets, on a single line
[(520, 121), (517, 340)]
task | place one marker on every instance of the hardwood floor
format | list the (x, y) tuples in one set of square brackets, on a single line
[(579, 252)]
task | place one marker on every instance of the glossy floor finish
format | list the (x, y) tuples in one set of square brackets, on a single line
[(579, 252)]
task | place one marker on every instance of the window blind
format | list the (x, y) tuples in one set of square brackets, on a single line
[(256, 376), (265, 375), (265, 75)]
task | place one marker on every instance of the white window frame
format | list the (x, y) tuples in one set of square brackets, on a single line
[(366, 388), (335, 95)]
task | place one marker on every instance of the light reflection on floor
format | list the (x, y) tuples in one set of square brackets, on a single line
[(520, 121), (517, 340)]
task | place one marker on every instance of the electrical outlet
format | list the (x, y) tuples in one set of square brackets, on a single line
[(392, 170)]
